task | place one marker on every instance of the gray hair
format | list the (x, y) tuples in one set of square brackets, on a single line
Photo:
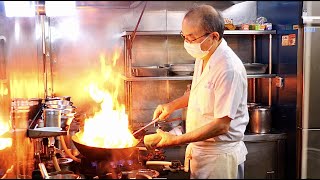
[(211, 20)]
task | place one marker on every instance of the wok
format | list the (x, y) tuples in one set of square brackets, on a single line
[(98, 153)]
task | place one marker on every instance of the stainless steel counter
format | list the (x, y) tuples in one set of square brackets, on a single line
[(256, 144), (249, 137)]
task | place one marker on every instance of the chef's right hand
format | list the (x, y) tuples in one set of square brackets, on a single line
[(163, 111), (151, 140)]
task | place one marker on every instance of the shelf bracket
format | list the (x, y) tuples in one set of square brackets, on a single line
[(279, 81)]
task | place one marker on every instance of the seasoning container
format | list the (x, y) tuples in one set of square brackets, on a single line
[(268, 26), (244, 26)]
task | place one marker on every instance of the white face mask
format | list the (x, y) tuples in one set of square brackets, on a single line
[(195, 49)]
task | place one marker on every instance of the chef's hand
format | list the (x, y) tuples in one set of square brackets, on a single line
[(159, 140), (151, 140), (163, 111)]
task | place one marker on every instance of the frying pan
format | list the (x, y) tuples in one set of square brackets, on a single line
[(99, 153)]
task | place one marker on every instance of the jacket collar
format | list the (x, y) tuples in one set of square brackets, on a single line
[(212, 60)]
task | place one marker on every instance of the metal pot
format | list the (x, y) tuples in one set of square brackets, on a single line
[(52, 117), (251, 105), (140, 174), (65, 164), (58, 174), (98, 153), (260, 119)]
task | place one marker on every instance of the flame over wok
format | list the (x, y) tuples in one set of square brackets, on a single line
[(109, 127)]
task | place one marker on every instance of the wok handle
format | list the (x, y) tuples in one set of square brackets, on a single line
[(161, 163)]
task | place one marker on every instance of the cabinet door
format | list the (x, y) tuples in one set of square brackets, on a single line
[(261, 160)]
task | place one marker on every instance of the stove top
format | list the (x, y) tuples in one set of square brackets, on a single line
[(116, 169), (134, 167)]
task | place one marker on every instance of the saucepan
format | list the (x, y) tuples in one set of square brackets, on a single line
[(99, 153)]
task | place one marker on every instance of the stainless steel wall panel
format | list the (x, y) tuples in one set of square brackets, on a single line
[(174, 20), (311, 69), (156, 92), (22, 56), (147, 95), (176, 52), (78, 43), (149, 50), (152, 20), (310, 154), (242, 45)]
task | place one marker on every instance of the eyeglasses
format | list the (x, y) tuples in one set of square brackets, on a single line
[(184, 38)]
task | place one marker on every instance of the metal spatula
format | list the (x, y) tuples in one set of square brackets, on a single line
[(152, 122)]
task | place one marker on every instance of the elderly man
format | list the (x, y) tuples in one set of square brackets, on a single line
[(217, 103)]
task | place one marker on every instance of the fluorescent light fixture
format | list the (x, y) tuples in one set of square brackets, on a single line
[(60, 8), (19, 8)]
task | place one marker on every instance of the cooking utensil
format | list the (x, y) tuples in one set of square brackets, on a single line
[(149, 71), (182, 69), (173, 122), (152, 122), (99, 153), (255, 68)]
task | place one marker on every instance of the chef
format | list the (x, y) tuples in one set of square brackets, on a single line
[(217, 102)]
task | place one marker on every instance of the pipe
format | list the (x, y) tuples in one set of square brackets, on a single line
[(68, 152), (43, 171), (56, 163)]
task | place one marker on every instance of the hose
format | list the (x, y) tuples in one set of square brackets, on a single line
[(68, 152)]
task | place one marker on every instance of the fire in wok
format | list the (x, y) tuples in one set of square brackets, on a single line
[(107, 132)]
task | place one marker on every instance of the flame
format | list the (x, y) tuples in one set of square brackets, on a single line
[(109, 127), (3, 90), (4, 142), (24, 85)]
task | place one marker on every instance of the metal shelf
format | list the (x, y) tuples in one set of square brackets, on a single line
[(184, 78), (249, 76), (234, 32), (178, 78)]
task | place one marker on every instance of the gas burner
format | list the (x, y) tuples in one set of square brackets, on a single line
[(101, 168), (113, 168)]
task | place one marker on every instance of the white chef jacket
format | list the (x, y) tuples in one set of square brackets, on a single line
[(220, 90)]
